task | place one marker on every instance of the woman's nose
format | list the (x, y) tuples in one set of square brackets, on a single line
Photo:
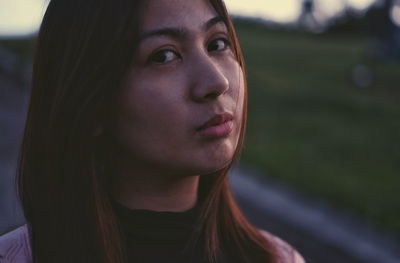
[(209, 80)]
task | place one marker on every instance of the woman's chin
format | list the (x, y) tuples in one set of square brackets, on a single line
[(211, 166), (218, 159)]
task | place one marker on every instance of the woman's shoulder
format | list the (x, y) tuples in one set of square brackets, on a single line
[(14, 246), (288, 253)]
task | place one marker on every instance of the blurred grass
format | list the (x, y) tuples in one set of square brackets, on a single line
[(310, 126)]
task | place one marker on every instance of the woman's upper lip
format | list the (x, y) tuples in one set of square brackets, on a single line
[(216, 120)]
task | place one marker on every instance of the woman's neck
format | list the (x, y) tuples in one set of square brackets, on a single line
[(141, 189)]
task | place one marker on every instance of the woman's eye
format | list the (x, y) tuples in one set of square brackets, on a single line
[(218, 44), (163, 56)]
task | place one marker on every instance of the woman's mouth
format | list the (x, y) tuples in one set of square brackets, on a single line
[(221, 125)]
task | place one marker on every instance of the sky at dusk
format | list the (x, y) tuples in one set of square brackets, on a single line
[(20, 17)]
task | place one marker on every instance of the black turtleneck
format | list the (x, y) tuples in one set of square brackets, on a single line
[(155, 237)]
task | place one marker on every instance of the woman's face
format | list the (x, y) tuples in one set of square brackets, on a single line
[(184, 74)]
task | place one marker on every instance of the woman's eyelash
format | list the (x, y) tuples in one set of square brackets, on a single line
[(163, 56), (167, 55), (214, 44)]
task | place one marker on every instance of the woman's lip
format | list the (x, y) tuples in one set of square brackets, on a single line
[(216, 120), (220, 130)]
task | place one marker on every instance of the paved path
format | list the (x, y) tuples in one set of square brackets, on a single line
[(320, 233), (13, 103), (13, 100)]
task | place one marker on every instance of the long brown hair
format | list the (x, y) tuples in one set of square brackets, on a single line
[(84, 49)]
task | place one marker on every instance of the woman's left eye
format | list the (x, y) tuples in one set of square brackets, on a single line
[(163, 56), (219, 44)]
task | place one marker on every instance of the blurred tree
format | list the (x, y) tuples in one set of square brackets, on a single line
[(307, 20), (385, 34)]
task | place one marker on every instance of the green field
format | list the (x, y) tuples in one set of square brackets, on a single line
[(310, 126)]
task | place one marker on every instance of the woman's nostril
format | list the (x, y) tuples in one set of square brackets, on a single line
[(211, 96)]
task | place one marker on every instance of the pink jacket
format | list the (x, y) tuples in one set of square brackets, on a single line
[(15, 247)]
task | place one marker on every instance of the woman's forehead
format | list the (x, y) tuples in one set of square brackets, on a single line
[(189, 14)]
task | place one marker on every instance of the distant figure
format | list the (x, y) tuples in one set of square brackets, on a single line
[(307, 20), (308, 6)]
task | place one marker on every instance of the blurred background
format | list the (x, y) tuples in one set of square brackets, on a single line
[(324, 104)]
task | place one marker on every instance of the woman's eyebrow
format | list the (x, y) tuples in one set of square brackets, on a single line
[(179, 33)]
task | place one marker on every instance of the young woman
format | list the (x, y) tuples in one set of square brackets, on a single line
[(137, 113)]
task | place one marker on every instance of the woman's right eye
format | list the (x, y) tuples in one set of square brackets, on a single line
[(163, 57)]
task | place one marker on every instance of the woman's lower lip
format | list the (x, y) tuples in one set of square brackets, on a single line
[(221, 130)]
